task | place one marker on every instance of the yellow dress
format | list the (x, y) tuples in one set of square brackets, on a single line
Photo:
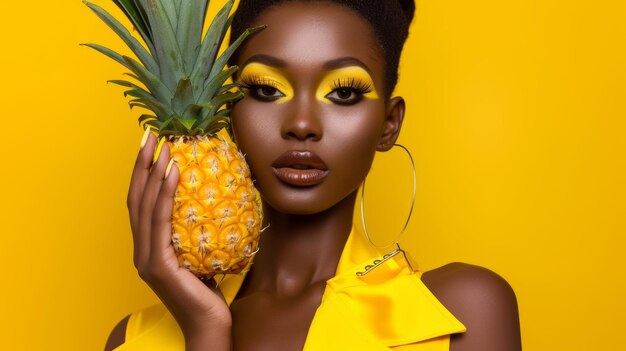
[(387, 309)]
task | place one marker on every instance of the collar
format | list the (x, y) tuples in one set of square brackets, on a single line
[(387, 307)]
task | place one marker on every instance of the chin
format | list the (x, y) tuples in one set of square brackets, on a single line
[(297, 205), (304, 201)]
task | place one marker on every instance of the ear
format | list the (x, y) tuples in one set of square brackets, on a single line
[(393, 123)]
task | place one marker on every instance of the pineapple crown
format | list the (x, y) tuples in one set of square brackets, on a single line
[(184, 79)]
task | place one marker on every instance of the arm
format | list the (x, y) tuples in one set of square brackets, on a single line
[(483, 301)]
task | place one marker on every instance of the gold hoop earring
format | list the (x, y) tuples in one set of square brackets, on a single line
[(396, 241)]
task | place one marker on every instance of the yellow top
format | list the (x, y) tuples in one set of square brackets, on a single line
[(388, 308)]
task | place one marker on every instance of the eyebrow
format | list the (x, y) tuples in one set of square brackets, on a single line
[(332, 64), (266, 59), (344, 62)]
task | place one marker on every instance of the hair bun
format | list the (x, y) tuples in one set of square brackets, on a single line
[(408, 7)]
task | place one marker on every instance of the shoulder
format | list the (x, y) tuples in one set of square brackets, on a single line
[(468, 282), (483, 301)]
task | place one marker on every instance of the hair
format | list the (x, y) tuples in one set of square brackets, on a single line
[(390, 20)]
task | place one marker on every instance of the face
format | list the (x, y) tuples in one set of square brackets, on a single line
[(314, 113)]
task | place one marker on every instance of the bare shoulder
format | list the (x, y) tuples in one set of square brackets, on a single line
[(483, 301), (118, 335), (466, 282)]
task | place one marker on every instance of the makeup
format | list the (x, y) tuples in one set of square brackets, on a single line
[(144, 138), (300, 168), (337, 83), (266, 83), (168, 168), (157, 150)]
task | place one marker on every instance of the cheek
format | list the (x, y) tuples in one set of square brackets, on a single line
[(254, 124), (353, 135), (352, 128), (256, 127)]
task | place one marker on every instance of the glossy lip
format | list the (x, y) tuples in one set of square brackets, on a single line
[(300, 168)]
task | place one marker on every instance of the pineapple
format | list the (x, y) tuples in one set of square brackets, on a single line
[(216, 218)]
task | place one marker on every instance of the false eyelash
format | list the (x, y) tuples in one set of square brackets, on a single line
[(251, 81), (358, 85)]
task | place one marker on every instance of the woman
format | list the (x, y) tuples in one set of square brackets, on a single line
[(318, 105)]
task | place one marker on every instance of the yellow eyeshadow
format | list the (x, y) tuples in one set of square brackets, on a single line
[(345, 74), (267, 75)]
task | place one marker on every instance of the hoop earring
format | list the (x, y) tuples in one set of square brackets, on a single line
[(396, 241)]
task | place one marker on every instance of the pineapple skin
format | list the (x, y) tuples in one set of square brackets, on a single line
[(216, 217)]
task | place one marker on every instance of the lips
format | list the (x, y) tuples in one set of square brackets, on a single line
[(300, 168)]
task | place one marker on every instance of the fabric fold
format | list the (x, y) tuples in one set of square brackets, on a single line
[(388, 307)]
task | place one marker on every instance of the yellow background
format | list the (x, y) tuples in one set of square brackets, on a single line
[(515, 118)]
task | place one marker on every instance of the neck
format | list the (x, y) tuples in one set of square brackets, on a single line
[(297, 251)]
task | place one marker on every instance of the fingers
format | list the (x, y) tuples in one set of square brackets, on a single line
[(151, 191), (141, 171), (162, 217)]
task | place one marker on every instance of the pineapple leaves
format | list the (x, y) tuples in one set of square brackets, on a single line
[(176, 126), (123, 83), (228, 87), (189, 29), (183, 96), (134, 44), (152, 82), (184, 125), (133, 13), (166, 128), (223, 113), (138, 93), (211, 44), (181, 77), (145, 118), (154, 125), (225, 56), (167, 51), (131, 75), (203, 127), (213, 85), (170, 9), (162, 111), (128, 84), (212, 126), (108, 52), (218, 101)]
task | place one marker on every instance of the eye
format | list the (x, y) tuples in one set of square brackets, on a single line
[(344, 96), (348, 91), (261, 89), (264, 92)]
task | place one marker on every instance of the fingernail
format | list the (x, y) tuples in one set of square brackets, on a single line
[(144, 139), (168, 168), (157, 151)]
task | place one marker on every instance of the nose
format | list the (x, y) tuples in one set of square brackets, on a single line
[(303, 121)]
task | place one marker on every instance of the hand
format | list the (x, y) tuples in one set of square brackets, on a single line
[(199, 308)]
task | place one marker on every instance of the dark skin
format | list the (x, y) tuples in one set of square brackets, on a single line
[(309, 224)]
